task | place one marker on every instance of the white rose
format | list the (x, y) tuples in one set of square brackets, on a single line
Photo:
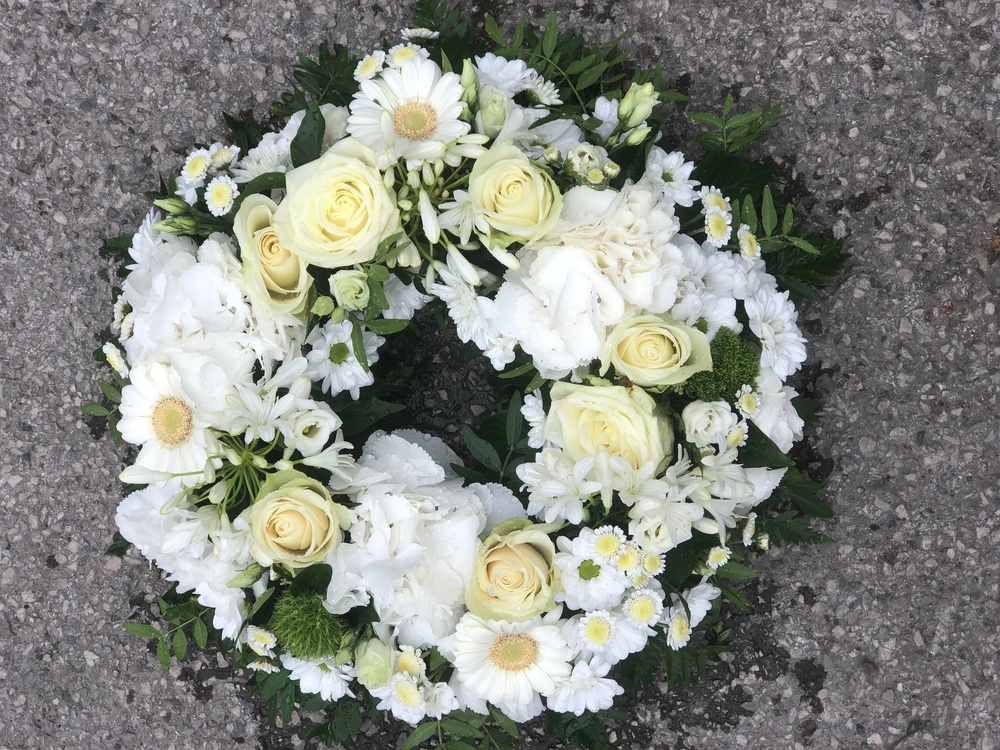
[(586, 420), (338, 209), (514, 199), (707, 422), (273, 275), (350, 288), (653, 350), (294, 521)]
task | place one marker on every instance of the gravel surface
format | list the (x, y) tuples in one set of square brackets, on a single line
[(886, 638)]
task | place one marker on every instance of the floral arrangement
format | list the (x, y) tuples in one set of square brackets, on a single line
[(638, 309)]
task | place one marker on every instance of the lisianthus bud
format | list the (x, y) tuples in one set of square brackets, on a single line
[(637, 104), (638, 136)]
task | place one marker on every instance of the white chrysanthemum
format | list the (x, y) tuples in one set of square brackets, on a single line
[(159, 415), (333, 361), (370, 66), (509, 76), (410, 113), (772, 319), (586, 584), (272, 154), (672, 174), (749, 247), (403, 54), (629, 561), (557, 487), (599, 633), (588, 689), (662, 516), (261, 641), (403, 697), (642, 609), (718, 226), (220, 195), (533, 411), (440, 699), (321, 676), (717, 557), (776, 415), (510, 664), (222, 155)]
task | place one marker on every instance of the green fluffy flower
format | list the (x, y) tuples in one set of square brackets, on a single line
[(305, 629), (735, 364)]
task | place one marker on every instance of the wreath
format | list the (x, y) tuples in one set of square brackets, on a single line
[(638, 313)]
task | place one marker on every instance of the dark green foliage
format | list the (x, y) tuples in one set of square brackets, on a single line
[(734, 364), (733, 134), (790, 527), (246, 132), (327, 80)]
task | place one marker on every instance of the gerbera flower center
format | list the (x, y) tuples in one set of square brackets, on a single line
[(513, 652), (172, 421), (415, 120)]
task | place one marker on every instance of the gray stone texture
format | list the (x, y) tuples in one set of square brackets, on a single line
[(886, 638)]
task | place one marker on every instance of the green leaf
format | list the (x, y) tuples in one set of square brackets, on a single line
[(707, 118), (142, 630), (358, 344), (760, 451), (308, 141), (458, 728), (95, 410), (551, 36), (112, 393), (749, 214), (358, 416), (517, 371), (273, 684), (803, 244), (735, 571), (313, 580), (515, 420), (786, 222), (481, 450), (493, 31), (767, 212), (503, 721), (727, 105), (260, 601), (119, 546), (423, 732), (200, 633), (805, 494), (262, 183), (792, 528), (163, 654), (589, 78), (180, 644), (385, 326)]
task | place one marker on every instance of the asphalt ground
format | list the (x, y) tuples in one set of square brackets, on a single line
[(885, 638)]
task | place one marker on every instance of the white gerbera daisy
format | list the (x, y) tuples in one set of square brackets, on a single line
[(509, 663), (410, 113), (220, 195), (333, 361), (158, 414), (772, 319), (321, 676)]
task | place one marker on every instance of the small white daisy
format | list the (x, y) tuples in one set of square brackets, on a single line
[(263, 666), (749, 247), (587, 584), (419, 34), (642, 608), (737, 437), (749, 530), (115, 359), (607, 543), (196, 165), (402, 697), (222, 156), (747, 401), (678, 628), (370, 66), (713, 198), (261, 641), (717, 557), (718, 226), (220, 195), (402, 54)]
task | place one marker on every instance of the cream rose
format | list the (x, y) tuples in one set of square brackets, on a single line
[(350, 288), (653, 350), (338, 209), (273, 275), (514, 199), (513, 577), (586, 420), (294, 521)]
